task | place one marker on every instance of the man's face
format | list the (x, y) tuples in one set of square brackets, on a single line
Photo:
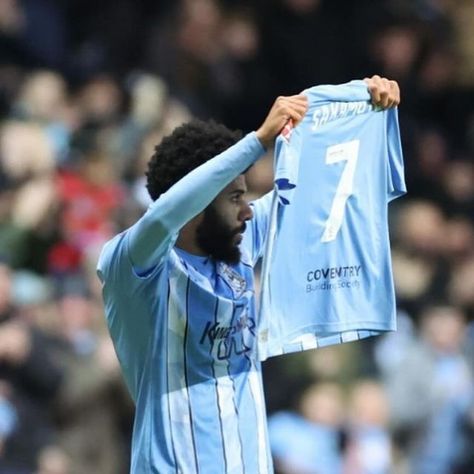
[(220, 231)]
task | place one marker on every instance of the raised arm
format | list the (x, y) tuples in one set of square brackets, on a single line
[(152, 236), (155, 233)]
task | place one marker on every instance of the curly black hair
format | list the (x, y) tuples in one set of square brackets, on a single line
[(187, 147)]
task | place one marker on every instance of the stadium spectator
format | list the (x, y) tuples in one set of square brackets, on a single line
[(310, 440), (368, 439), (29, 380), (431, 391), (92, 403)]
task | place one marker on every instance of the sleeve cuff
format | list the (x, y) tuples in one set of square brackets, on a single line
[(256, 144)]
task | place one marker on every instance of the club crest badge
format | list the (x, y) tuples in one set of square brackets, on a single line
[(233, 279)]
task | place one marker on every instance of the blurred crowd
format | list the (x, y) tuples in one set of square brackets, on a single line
[(87, 89)]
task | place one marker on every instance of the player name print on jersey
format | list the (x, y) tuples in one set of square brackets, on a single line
[(327, 275)]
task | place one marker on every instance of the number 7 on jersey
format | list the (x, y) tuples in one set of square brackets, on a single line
[(348, 151)]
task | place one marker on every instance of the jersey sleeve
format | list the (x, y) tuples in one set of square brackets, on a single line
[(396, 175), (257, 228), (287, 152), (156, 232)]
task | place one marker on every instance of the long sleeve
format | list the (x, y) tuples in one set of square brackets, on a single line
[(155, 233), (257, 228)]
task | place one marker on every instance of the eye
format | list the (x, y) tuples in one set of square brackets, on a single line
[(236, 197)]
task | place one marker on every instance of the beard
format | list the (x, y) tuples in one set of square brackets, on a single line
[(217, 239)]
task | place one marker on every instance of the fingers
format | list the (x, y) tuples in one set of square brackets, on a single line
[(384, 92), (292, 107), (395, 93), (285, 108)]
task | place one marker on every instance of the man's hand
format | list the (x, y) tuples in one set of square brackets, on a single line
[(293, 108), (384, 93)]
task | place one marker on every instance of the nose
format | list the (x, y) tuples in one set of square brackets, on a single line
[(246, 212)]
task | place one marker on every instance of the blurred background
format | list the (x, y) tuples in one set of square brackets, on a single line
[(87, 88)]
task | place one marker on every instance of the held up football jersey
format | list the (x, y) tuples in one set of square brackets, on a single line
[(327, 274)]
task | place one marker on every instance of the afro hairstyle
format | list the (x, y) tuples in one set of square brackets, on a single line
[(187, 147)]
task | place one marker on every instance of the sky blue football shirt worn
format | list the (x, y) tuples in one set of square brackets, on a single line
[(327, 275), (184, 328)]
